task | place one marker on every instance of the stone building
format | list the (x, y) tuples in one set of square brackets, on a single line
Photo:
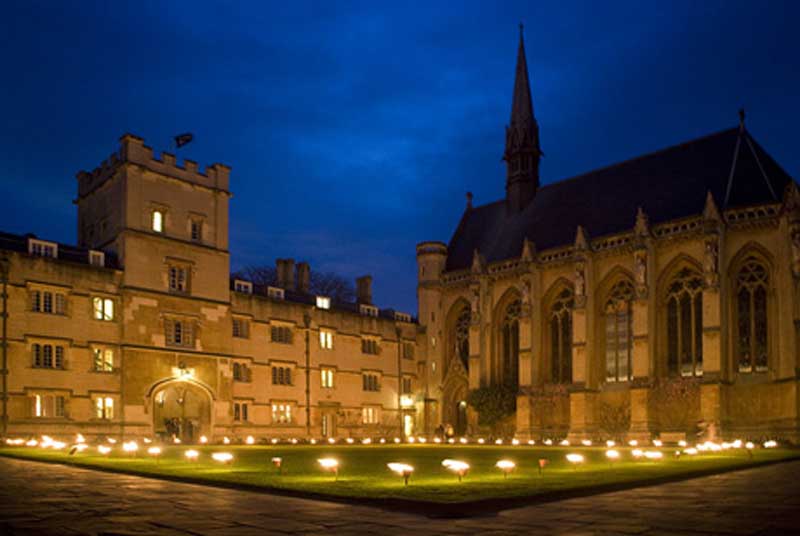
[(140, 330), (657, 296)]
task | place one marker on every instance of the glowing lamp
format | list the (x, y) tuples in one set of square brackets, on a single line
[(575, 459), (312, 441), (586, 442), (383, 440), (771, 444), (191, 455), (548, 442), (176, 440), (154, 451), (111, 440), (481, 441), (653, 454), (657, 442), (611, 443), (103, 449), (80, 439), (506, 466), (451, 441), (147, 440), (422, 440), (637, 453), (226, 441), (350, 440), (515, 441), (437, 440), (462, 440), (737, 444), (564, 443), (457, 466), (203, 439), (402, 469), (331, 440), (130, 447), (397, 440), (682, 443), (58, 445), (531, 442), (222, 457), (612, 455), (749, 445), (410, 440), (331, 465), (274, 441), (691, 451), (633, 443)]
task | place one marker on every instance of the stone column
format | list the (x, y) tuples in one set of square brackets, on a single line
[(525, 372), (641, 420), (712, 391)]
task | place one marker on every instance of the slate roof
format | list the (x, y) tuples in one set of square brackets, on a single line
[(66, 252), (667, 184)]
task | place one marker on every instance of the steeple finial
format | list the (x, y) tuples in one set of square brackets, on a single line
[(522, 152)]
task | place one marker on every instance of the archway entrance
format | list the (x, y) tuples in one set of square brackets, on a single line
[(181, 410), (460, 425)]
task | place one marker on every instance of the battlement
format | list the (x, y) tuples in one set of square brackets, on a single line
[(133, 150)]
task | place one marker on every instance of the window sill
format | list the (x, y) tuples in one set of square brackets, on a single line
[(114, 371), (62, 369)]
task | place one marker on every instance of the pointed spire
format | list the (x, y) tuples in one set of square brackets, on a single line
[(642, 226), (528, 250), (710, 211), (522, 153), (581, 242), (478, 263)]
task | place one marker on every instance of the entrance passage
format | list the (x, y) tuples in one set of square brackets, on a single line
[(181, 410), (460, 427)]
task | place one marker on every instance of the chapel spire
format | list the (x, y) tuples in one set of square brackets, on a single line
[(522, 152)]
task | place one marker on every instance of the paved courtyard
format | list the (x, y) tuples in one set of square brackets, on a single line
[(43, 499)]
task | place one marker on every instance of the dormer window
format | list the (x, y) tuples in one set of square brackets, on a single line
[(323, 302), (402, 317), (97, 258), (368, 310), (275, 293), (42, 248), (245, 287), (157, 221)]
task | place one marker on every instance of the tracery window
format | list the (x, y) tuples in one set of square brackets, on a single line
[(510, 344), (561, 338), (462, 337), (751, 316), (685, 324), (619, 339)]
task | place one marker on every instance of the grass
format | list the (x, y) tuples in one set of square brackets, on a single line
[(363, 473)]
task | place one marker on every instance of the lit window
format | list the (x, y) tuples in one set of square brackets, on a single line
[(103, 308), (275, 293), (370, 382), (241, 328), (281, 413), (685, 324), (323, 302), (326, 339), (751, 305), (619, 333), (97, 258), (157, 221), (281, 375), (370, 346), (245, 287), (178, 279), (326, 376), (48, 406), (104, 407), (48, 356), (40, 248), (370, 415), (103, 359)]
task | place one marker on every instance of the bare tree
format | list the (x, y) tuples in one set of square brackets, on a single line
[(321, 283)]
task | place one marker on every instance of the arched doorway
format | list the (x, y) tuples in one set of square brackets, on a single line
[(181, 409), (460, 425)]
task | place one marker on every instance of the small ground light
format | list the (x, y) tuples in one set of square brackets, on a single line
[(481, 441), (111, 440), (147, 440), (58, 445), (457, 466), (515, 441), (531, 442), (330, 464), (331, 440), (402, 469), (226, 441), (203, 439), (274, 441), (682, 443), (410, 440), (575, 459), (130, 447), (366, 441), (548, 442), (633, 443), (31, 443), (437, 440), (103, 449), (657, 442), (383, 441), (771, 444), (176, 440), (397, 440), (250, 440), (422, 440), (542, 463), (191, 455), (155, 452), (80, 439), (277, 461), (498, 442), (637, 453), (452, 441), (611, 443), (350, 440), (612, 455), (463, 440), (294, 441), (691, 451), (737, 444), (586, 442), (222, 457), (749, 445), (564, 443), (506, 466), (312, 441), (653, 454)]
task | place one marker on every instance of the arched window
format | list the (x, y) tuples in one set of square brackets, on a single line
[(685, 324), (510, 344), (619, 340), (462, 337), (561, 338), (751, 316)]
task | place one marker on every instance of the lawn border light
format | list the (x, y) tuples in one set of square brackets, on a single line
[(222, 457), (130, 448), (104, 449), (277, 461), (250, 440), (401, 469), (575, 459), (653, 455), (459, 467), (612, 455), (155, 452), (191, 455), (330, 465), (505, 466)]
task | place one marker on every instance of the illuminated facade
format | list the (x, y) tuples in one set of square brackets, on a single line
[(658, 296), (139, 330)]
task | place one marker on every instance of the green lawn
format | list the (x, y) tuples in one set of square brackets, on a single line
[(363, 472)]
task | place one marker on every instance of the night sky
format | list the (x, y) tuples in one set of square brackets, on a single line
[(355, 129)]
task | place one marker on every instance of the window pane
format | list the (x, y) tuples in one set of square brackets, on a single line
[(685, 355), (672, 336), (760, 310), (743, 346), (611, 348), (554, 350), (698, 334), (566, 347)]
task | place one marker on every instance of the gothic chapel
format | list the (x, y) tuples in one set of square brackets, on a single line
[(653, 297)]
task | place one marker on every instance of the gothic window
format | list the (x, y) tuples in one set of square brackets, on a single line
[(561, 338), (751, 316), (462, 337), (510, 344), (618, 336), (685, 324)]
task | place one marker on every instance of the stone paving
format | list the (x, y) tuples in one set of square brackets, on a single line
[(45, 499)]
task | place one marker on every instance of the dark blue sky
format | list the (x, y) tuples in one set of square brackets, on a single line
[(354, 129)]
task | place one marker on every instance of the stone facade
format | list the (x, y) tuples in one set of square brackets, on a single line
[(141, 331)]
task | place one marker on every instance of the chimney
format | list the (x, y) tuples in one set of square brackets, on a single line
[(364, 289), (285, 273), (303, 277)]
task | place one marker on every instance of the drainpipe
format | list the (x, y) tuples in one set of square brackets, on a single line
[(307, 322), (4, 264)]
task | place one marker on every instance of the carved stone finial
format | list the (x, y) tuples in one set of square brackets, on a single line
[(711, 212), (528, 251), (642, 226), (478, 263), (791, 201), (581, 241)]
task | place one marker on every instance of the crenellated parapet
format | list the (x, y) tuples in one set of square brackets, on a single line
[(134, 151)]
